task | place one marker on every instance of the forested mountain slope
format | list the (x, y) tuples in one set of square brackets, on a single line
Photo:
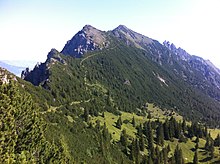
[(22, 137), (130, 71), (111, 97)]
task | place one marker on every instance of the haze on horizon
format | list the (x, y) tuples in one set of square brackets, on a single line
[(29, 29)]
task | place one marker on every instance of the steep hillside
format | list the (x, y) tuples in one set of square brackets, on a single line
[(131, 100), (21, 127), (127, 75), (206, 77)]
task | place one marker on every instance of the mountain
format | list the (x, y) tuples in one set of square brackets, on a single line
[(210, 75), (88, 39), (133, 69), (131, 37), (120, 97)]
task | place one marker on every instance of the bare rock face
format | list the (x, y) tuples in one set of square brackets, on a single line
[(88, 39), (131, 37), (40, 73), (181, 54), (196, 65)]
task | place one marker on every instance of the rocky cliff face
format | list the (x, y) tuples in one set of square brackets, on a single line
[(40, 73), (88, 39), (198, 66)]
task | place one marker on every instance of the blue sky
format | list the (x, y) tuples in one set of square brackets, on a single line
[(29, 29)]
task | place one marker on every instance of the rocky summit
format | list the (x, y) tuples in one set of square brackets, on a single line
[(88, 39)]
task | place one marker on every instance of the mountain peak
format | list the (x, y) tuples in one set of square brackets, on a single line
[(122, 27), (87, 27), (131, 37), (88, 39)]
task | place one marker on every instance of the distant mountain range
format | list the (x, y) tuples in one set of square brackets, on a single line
[(16, 66)]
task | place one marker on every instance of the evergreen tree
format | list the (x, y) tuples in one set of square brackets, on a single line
[(137, 151), (119, 123), (86, 115), (172, 160), (150, 160), (207, 143), (217, 141), (168, 148), (149, 115), (195, 158), (105, 133), (123, 140), (160, 135), (166, 130), (132, 150), (150, 137), (178, 155), (184, 126), (142, 143), (133, 122), (157, 155), (139, 130), (165, 155), (197, 145), (98, 125), (211, 149), (145, 159), (197, 139)]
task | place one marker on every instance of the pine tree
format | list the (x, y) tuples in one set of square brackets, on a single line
[(150, 160), (195, 158), (172, 160), (145, 159), (142, 143), (165, 155), (123, 140), (207, 143), (157, 155), (184, 126), (86, 115), (211, 149), (178, 155), (105, 133), (150, 137), (119, 123), (168, 148), (197, 145), (197, 139), (137, 151), (133, 122), (217, 141), (166, 130), (98, 125), (160, 135), (149, 115), (132, 150)]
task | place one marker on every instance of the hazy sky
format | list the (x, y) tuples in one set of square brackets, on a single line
[(29, 29)]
